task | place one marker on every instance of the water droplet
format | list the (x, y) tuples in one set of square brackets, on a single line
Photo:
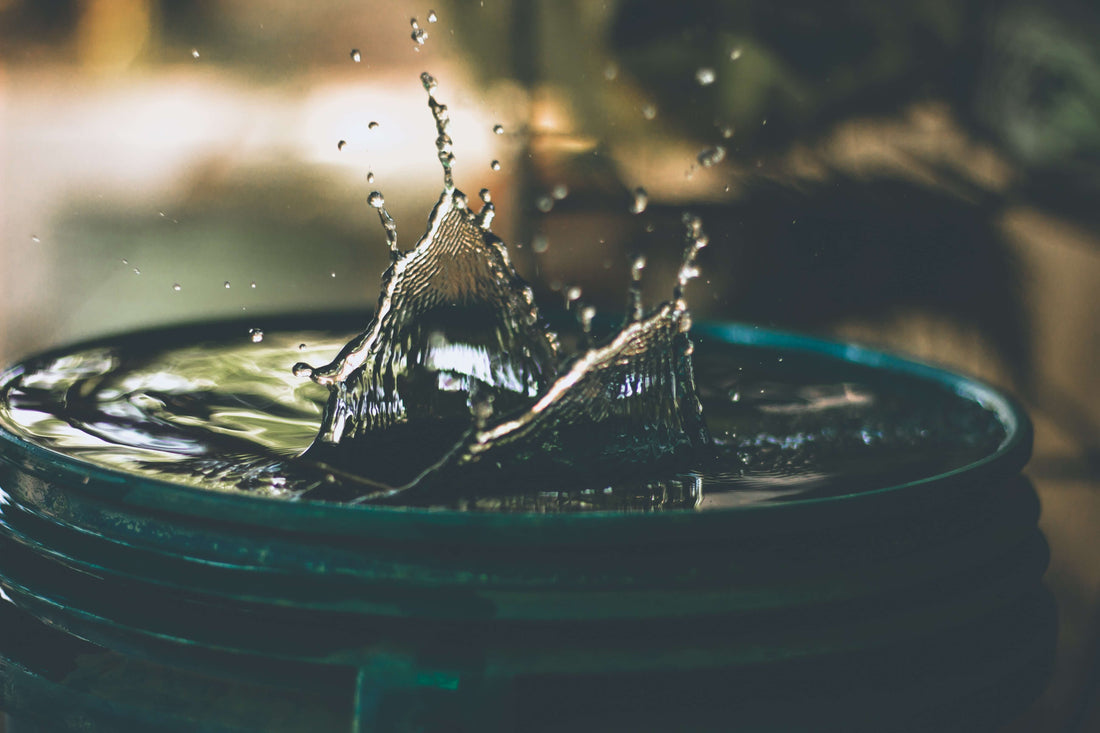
[(705, 76), (586, 315), (649, 111), (432, 17), (194, 53), (125, 261), (376, 200), (370, 176), (227, 285), (635, 310), (540, 244), (764, 122), (495, 165), (340, 145), (712, 156), (419, 35), (177, 287), (301, 347), (611, 72), (355, 55), (428, 82), (301, 369), (137, 271), (372, 125), (735, 53), (485, 195), (498, 129), (544, 204), (256, 334), (640, 200), (332, 274), (560, 191), (252, 285), (727, 131), (572, 293), (35, 239), (735, 396)]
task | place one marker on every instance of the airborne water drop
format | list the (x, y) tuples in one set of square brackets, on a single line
[(712, 156)]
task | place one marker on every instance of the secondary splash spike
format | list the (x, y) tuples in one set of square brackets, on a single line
[(458, 363)]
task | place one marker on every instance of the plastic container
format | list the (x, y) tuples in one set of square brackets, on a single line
[(142, 605)]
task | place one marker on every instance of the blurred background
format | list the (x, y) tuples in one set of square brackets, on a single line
[(923, 176)]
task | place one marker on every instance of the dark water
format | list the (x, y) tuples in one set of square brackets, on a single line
[(225, 413)]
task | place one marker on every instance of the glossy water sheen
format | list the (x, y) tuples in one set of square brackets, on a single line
[(228, 415)]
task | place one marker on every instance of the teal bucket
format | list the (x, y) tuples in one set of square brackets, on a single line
[(136, 604)]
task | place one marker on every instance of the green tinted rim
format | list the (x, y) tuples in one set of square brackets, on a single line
[(418, 524)]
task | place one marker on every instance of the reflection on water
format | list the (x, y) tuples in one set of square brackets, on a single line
[(228, 415)]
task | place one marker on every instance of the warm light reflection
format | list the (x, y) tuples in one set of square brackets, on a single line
[(400, 146)]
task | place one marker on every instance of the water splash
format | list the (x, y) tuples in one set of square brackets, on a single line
[(627, 405), (458, 361)]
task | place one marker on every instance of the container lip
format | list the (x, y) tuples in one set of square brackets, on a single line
[(609, 527)]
